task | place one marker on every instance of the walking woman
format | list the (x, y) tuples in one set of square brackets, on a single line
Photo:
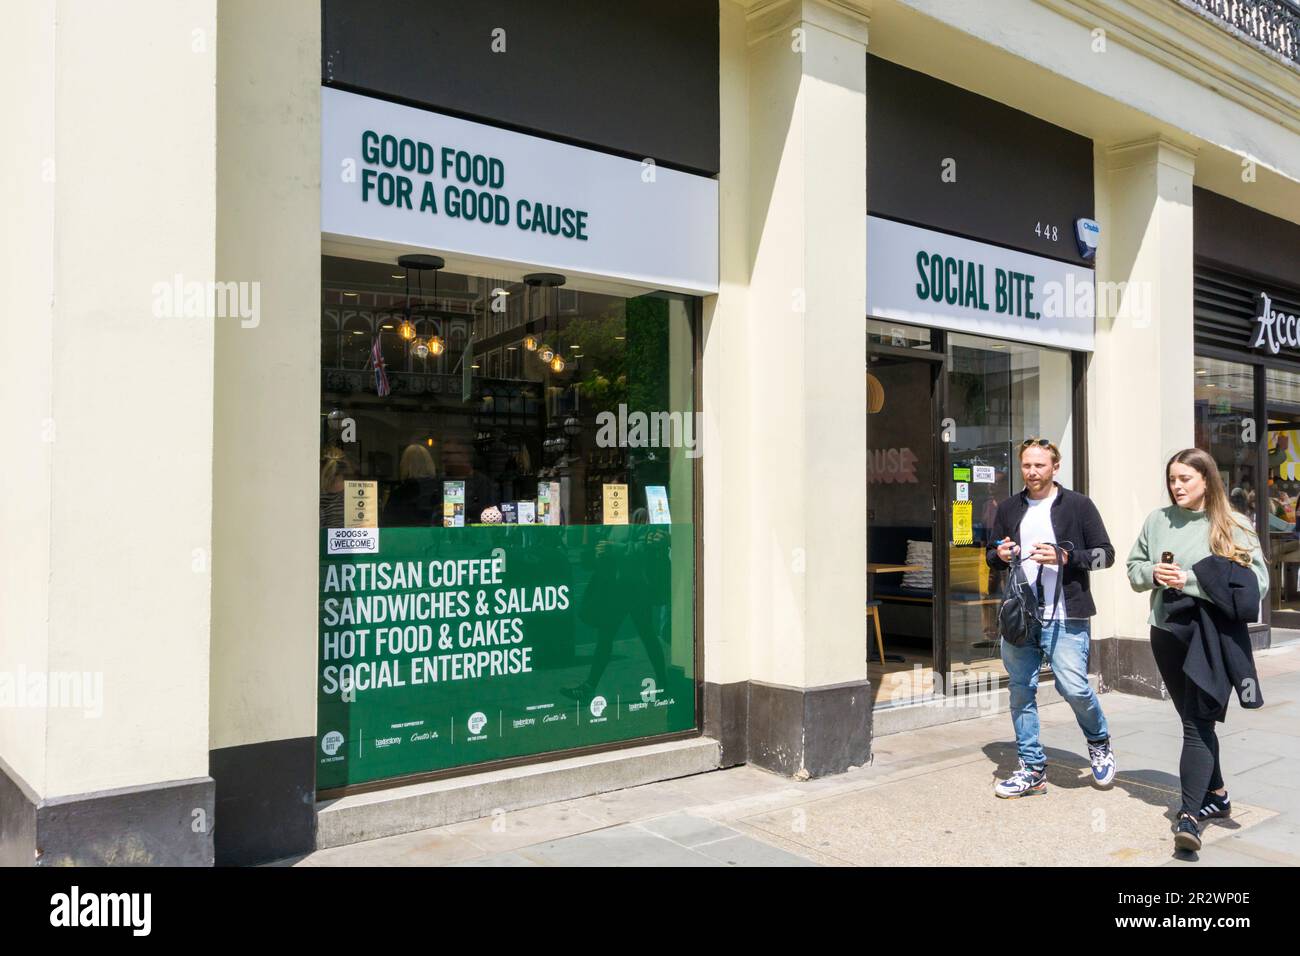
[(1203, 564)]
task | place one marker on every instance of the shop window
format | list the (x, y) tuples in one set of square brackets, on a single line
[(1225, 427), (507, 521), (1282, 391)]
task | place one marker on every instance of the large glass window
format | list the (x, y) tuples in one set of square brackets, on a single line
[(1282, 390), (1225, 414), (507, 496)]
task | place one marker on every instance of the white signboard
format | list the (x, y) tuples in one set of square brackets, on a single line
[(924, 277), (352, 541), (983, 474), (408, 176)]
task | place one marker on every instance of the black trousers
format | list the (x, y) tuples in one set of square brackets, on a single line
[(1198, 769)]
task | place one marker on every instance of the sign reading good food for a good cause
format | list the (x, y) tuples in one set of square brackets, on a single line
[(924, 277), (419, 179), (457, 646)]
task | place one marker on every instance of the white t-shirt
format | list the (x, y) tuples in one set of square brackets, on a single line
[(1036, 528)]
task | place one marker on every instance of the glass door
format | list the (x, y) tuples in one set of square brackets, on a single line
[(997, 395)]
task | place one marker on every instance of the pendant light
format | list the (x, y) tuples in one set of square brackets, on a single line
[(433, 345), (875, 395), (545, 280)]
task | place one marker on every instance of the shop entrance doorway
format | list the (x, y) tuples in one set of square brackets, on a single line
[(946, 415), (1283, 493), (905, 549)]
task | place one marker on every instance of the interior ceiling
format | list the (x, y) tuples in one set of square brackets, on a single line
[(507, 273)]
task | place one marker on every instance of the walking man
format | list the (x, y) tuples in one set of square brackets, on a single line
[(1028, 524)]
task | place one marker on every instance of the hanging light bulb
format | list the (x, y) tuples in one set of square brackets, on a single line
[(546, 353), (436, 345), (557, 364), (406, 330), (530, 343), (420, 348)]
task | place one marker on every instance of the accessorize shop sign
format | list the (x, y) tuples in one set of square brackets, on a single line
[(1276, 328), (397, 174), (923, 277)]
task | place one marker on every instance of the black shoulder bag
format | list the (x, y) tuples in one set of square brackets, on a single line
[(1020, 615)]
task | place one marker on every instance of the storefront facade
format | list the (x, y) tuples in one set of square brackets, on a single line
[(1248, 379), (981, 318), (509, 445), (536, 456)]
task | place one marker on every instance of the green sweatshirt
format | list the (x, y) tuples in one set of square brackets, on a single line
[(1187, 535)]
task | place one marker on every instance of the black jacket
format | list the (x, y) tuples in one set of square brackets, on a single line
[(1217, 636), (1079, 530)]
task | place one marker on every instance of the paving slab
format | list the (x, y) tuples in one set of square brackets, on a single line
[(502, 832), (433, 847), (626, 845), (689, 831), (743, 850)]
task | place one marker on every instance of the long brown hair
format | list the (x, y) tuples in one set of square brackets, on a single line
[(1217, 508), (334, 465)]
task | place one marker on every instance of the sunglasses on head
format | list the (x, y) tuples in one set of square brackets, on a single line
[(1046, 443)]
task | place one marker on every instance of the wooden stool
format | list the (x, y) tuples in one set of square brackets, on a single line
[(873, 612)]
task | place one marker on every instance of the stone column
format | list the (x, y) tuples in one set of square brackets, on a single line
[(109, 250), (1141, 378), (267, 433), (790, 412)]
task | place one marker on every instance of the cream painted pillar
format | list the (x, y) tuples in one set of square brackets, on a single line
[(1141, 378), (723, 572), (108, 382), (267, 431), (793, 403)]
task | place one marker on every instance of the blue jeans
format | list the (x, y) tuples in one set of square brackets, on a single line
[(1065, 645)]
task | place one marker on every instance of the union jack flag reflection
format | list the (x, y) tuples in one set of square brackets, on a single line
[(381, 374)]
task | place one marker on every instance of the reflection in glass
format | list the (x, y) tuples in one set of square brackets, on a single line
[(578, 472), (1225, 405), (1283, 396), (1000, 393)]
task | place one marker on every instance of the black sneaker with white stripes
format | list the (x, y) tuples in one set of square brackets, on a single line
[(1215, 807), (1187, 834)]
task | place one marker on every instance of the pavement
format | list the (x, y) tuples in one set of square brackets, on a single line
[(926, 799)]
